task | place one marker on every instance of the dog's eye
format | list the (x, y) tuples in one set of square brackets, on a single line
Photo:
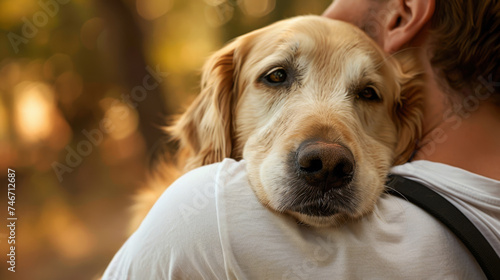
[(368, 93), (276, 77)]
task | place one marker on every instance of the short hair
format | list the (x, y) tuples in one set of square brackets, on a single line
[(466, 45)]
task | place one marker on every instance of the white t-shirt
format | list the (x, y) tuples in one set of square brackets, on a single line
[(210, 225)]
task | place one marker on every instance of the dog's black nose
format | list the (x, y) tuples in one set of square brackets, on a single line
[(325, 165)]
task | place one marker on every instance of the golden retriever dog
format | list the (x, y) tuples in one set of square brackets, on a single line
[(317, 110)]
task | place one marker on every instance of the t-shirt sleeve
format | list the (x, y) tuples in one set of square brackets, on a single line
[(179, 238)]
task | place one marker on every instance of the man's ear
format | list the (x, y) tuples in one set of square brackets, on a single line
[(407, 19)]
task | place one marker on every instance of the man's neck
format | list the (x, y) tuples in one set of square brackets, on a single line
[(467, 137)]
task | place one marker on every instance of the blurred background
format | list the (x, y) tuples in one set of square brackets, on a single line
[(85, 86)]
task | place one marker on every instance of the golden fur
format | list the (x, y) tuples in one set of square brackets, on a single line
[(237, 115)]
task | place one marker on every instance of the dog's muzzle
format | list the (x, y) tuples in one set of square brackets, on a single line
[(320, 175)]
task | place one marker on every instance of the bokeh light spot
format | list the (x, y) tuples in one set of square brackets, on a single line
[(258, 8), (121, 120), (153, 9), (34, 103)]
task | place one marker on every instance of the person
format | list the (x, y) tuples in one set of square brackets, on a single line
[(209, 224)]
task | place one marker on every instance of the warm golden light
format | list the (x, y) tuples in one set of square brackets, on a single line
[(34, 106)]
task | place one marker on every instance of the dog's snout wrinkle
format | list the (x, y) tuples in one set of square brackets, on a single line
[(325, 165)]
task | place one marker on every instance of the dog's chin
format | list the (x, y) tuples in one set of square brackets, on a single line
[(316, 209), (334, 220)]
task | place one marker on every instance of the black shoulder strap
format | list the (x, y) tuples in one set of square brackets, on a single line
[(449, 215)]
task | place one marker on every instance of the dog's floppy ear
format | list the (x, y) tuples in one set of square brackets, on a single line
[(407, 112), (204, 131)]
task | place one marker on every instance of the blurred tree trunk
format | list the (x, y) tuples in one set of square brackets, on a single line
[(125, 47)]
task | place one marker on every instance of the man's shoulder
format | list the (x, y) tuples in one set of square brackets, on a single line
[(181, 231), (228, 169), (193, 198), (209, 224)]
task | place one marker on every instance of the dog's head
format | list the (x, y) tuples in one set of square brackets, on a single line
[(316, 109)]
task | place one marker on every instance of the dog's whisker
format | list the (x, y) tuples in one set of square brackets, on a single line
[(387, 188)]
